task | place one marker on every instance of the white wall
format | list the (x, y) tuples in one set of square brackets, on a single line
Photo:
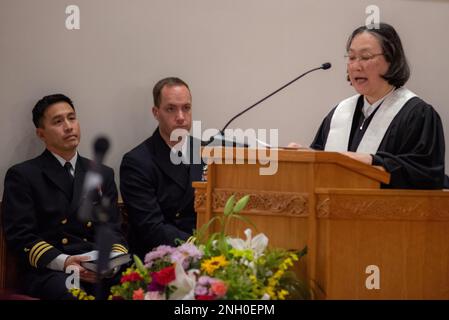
[(231, 53)]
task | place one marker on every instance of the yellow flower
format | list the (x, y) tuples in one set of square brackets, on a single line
[(287, 262), (81, 294), (271, 293), (253, 279), (214, 263), (282, 294)]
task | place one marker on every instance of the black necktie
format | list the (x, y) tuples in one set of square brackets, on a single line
[(68, 167)]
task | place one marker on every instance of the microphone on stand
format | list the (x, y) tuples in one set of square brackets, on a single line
[(220, 136), (99, 213)]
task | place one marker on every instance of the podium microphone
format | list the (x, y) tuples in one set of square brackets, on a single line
[(220, 135), (324, 66)]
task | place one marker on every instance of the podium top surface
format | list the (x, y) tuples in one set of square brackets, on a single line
[(296, 155)]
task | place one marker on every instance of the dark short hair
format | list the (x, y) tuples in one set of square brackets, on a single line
[(399, 72), (171, 82), (44, 103)]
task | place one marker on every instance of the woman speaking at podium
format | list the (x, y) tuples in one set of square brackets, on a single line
[(385, 124)]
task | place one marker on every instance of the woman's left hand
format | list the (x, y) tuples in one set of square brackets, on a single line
[(363, 157)]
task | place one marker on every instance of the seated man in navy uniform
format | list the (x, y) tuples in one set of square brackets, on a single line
[(157, 192), (41, 200)]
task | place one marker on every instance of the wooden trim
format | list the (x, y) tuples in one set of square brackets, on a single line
[(210, 185), (404, 205), (312, 236)]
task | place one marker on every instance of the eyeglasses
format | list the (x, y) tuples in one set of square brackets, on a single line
[(363, 58)]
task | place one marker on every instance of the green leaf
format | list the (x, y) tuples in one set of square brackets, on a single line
[(202, 231), (246, 220), (139, 264), (229, 205), (241, 204)]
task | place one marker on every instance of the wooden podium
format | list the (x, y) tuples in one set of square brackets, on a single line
[(356, 233)]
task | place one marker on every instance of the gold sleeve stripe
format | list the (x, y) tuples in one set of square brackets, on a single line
[(33, 249), (119, 247), (37, 253), (41, 253), (117, 250)]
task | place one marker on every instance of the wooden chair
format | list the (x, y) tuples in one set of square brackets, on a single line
[(9, 281)]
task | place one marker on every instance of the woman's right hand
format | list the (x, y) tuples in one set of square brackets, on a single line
[(294, 145)]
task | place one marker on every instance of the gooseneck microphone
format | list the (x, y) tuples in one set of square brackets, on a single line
[(324, 66)]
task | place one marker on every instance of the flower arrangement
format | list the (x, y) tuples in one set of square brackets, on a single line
[(214, 267)]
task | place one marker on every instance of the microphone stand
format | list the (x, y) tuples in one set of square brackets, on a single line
[(99, 214), (104, 241)]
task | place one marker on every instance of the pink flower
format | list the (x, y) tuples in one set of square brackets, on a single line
[(138, 294), (219, 288), (154, 295)]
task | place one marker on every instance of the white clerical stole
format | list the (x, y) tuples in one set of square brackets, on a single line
[(341, 123)]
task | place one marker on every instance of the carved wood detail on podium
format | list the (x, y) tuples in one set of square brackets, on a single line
[(382, 208), (285, 203), (322, 207), (200, 199)]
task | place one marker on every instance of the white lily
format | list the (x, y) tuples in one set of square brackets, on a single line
[(184, 284), (258, 244)]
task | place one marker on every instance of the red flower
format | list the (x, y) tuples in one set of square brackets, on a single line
[(132, 277), (219, 288), (138, 294), (204, 297), (164, 276)]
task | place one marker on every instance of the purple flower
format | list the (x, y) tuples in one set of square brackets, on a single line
[(205, 280), (190, 250), (201, 291), (179, 258), (205, 284), (158, 253), (155, 286), (185, 254)]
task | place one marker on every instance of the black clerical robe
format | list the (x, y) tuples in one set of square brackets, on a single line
[(412, 149)]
